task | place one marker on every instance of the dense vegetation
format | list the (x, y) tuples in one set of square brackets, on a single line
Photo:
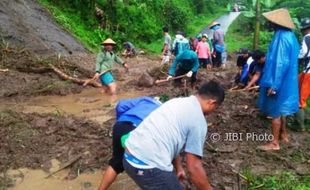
[(241, 34), (138, 21)]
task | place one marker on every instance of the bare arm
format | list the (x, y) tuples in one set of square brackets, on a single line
[(177, 163), (196, 172), (253, 80)]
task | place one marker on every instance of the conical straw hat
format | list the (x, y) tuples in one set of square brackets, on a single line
[(108, 41), (280, 17), (214, 23)]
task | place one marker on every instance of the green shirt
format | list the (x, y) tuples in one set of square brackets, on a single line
[(105, 61)]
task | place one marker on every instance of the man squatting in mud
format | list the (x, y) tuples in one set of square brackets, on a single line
[(153, 149), (129, 114)]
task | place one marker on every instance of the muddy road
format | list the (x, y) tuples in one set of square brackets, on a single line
[(225, 21), (43, 131)]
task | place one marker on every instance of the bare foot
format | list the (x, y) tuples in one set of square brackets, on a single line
[(269, 147), (284, 139), (103, 90)]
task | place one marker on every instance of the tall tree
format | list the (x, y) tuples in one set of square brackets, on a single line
[(257, 25), (255, 8)]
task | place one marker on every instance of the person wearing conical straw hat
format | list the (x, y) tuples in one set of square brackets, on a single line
[(279, 95), (304, 77), (104, 63), (218, 43)]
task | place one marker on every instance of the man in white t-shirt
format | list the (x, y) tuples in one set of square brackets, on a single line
[(179, 124)]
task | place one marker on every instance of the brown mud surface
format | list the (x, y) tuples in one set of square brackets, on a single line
[(72, 122)]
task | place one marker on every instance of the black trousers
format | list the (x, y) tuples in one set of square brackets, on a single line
[(180, 71), (203, 62), (119, 129), (217, 60)]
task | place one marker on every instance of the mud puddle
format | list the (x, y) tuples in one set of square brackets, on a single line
[(29, 179), (90, 103)]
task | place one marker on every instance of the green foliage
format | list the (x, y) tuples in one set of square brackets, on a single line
[(137, 21), (68, 18), (240, 34), (282, 181), (298, 8)]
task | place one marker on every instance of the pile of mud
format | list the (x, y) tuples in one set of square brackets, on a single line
[(29, 75), (33, 140)]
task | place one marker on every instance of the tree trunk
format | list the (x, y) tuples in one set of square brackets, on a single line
[(64, 76), (257, 25)]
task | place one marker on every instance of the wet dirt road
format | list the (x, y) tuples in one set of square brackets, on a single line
[(225, 21), (90, 104), (29, 179)]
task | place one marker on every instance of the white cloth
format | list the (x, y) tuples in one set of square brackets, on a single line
[(177, 124), (303, 53)]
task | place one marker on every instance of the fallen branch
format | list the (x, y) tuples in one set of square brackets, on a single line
[(75, 80), (65, 165), (236, 89)]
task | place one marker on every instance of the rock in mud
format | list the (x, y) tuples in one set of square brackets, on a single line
[(145, 80)]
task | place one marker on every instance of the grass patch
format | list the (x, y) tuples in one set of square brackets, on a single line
[(282, 181), (236, 37), (200, 22), (241, 34), (71, 21)]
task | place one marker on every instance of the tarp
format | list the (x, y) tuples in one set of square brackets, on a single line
[(280, 74)]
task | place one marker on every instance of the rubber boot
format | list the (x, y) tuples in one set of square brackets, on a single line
[(300, 117)]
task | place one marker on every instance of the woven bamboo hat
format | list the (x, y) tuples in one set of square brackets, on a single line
[(108, 41), (280, 17), (214, 23)]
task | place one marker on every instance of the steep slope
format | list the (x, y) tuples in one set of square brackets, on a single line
[(25, 23)]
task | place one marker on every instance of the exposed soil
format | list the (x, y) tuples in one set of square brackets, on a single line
[(24, 23), (32, 140), (33, 133)]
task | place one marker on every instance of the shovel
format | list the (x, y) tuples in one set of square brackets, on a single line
[(92, 79), (165, 80)]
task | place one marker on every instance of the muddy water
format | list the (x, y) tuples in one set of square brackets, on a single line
[(91, 104), (27, 179)]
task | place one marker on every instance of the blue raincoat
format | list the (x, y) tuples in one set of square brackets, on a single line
[(280, 74)]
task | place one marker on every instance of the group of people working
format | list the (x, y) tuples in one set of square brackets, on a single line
[(149, 137), (209, 51), (250, 68), (189, 56)]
